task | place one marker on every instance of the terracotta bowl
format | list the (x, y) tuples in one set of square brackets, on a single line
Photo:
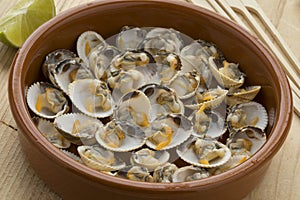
[(72, 180)]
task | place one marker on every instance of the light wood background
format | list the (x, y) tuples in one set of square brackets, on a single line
[(19, 181)]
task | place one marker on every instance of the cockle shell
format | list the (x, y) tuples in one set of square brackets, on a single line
[(247, 114), (189, 173), (78, 128), (149, 159), (242, 95), (86, 42), (121, 136), (99, 158), (92, 97), (46, 101), (168, 131), (203, 152), (48, 130), (135, 173), (130, 38), (164, 173)]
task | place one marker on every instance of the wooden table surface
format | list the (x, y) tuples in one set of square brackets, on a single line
[(19, 181)]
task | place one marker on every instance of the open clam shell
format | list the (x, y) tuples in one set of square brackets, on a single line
[(242, 95), (189, 173), (123, 82), (51, 133), (135, 173), (208, 124), (86, 42), (247, 114), (164, 173), (134, 107), (92, 97), (227, 75), (72, 155), (149, 159), (46, 101), (248, 139), (52, 60), (70, 70), (121, 136), (168, 131), (204, 152), (130, 38), (211, 99), (100, 59), (185, 85), (234, 161), (78, 128), (100, 159), (163, 100)]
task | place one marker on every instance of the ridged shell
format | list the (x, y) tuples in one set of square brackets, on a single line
[(238, 96), (134, 107), (130, 38), (100, 159), (187, 153), (168, 131), (135, 173), (189, 173), (81, 95), (219, 96), (132, 137), (72, 155), (222, 79), (37, 93), (69, 126), (254, 138), (247, 114), (149, 159), (70, 70), (234, 161), (86, 42), (215, 128), (164, 173), (185, 85), (48, 130)]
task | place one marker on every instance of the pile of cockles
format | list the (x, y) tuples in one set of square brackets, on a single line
[(148, 104)]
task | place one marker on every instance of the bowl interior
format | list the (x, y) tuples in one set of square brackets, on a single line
[(107, 19)]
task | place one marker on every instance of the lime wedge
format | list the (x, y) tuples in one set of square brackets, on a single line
[(23, 18)]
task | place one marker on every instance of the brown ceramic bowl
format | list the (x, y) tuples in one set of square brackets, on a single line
[(72, 180)]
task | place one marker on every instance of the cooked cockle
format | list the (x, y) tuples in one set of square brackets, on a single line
[(185, 85), (49, 131), (211, 98), (164, 173), (100, 59), (163, 100), (86, 42), (99, 158), (247, 114), (52, 60), (189, 173), (201, 121), (168, 131), (46, 101), (165, 39), (149, 159), (134, 107), (70, 70), (130, 38), (78, 128), (135, 173), (123, 82), (92, 97), (168, 66), (121, 136), (227, 74), (246, 141), (204, 152), (241, 95)]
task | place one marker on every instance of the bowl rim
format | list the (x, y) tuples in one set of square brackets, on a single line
[(21, 115)]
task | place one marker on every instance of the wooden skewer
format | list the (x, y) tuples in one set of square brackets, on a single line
[(231, 7)]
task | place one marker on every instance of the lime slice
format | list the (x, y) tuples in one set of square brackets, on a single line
[(23, 18)]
